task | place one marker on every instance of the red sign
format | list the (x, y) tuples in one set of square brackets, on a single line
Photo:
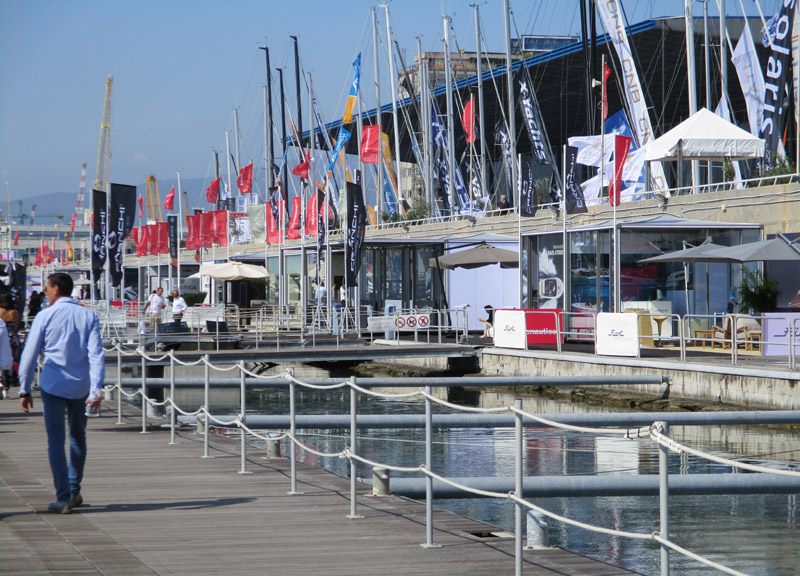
[(541, 326)]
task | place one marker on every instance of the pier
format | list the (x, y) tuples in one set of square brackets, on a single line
[(155, 508)]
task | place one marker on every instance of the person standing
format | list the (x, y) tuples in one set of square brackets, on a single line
[(11, 317), (178, 307), (68, 335), (6, 358), (156, 303)]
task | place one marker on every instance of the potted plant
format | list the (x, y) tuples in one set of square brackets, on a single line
[(758, 294)]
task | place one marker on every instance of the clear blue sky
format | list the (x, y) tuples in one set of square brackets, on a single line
[(180, 67)]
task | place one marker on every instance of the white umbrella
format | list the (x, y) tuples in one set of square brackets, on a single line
[(233, 271)]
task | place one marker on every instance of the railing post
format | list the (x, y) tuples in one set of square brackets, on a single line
[(518, 486), (292, 431), (353, 440), (682, 337), (242, 417), (428, 465), (119, 383), (143, 390), (559, 319), (663, 495), (206, 412), (173, 404)]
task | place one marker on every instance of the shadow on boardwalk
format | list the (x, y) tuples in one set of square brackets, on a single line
[(156, 508)]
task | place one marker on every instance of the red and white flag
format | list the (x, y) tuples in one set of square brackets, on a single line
[(468, 120), (369, 144), (621, 146), (212, 192), (169, 201), (245, 180), (141, 206), (606, 74)]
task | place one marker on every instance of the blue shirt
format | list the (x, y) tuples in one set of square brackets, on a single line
[(74, 361)]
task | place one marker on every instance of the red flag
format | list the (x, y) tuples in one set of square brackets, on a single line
[(162, 234), (212, 192), (205, 229), (191, 239), (301, 170), (273, 224), (468, 120), (39, 258), (245, 180), (369, 144), (293, 233), (16, 238), (621, 146), (606, 74), (312, 213), (141, 206), (72, 224), (169, 201), (220, 227)]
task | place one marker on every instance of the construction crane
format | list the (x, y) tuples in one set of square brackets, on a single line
[(153, 201), (104, 150)]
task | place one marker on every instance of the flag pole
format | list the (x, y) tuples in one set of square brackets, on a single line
[(180, 231), (564, 221)]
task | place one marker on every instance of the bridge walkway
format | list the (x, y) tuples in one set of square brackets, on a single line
[(155, 508)]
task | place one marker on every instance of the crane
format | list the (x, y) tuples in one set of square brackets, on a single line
[(81, 192), (153, 200), (104, 149)]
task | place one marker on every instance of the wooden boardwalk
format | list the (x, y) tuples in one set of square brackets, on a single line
[(155, 508)]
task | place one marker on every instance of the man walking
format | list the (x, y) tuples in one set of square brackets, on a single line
[(156, 303), (178, 307), (69, 336)]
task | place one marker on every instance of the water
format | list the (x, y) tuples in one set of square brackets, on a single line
[(755, 534)]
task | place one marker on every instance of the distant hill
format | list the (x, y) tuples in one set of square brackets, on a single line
[(49, 207)]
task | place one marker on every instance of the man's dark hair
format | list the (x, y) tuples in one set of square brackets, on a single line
[(63, 282)]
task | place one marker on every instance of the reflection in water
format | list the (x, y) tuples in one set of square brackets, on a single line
[(755, 534)]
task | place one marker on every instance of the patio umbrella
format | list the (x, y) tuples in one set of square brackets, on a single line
[(776, 249), (482, 255), (694, 254), (233, 271)]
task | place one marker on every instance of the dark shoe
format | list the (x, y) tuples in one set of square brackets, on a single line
[(60, 507), (75, 500)]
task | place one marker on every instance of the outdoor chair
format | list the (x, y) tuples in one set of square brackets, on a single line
[(748, 331)]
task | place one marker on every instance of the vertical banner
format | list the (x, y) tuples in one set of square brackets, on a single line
[(528, 203), (17, 284), (257, 213), (356, 226), (120, 222), (99, 231), (621, 146), (573, 199), (751, 79), (370, 136), (172, 234), (273, 213), (611, 13), (777, 75), (293, 233), (530, 112)]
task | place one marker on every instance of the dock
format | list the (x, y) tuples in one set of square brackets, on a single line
[(155, 508)]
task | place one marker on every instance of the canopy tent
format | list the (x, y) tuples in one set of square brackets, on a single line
[(233, 271), (482, 255), (705, 136)]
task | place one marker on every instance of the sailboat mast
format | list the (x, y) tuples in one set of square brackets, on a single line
[(396, 125), (269, 126), (425, 110), (379, 187), (512, 111), (451, 152), (691, 75), (481, 125)]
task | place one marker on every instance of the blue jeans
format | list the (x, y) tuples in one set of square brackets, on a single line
[(66, 476)]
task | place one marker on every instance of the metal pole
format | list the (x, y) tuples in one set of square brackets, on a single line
[(481, 123), (396, 124), (119, 384), (144, 397), (172, 415), (205, 406), (353, 440), (242, 417), (379, 185), (451, 139), (519, 513), (292, 431), (428, 465), (663, 496), (512, 111)]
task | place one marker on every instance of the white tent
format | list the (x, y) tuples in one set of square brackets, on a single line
[(705, 136)]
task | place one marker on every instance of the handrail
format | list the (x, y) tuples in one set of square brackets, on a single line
[(657, 433)]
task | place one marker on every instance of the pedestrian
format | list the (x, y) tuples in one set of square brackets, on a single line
[(502, 205), (156, 303), (488, 322), (68, 336), (178, 307), (34, 305), (11, 317), (6, 359)]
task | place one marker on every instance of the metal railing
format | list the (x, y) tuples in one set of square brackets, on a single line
[(658, 432)]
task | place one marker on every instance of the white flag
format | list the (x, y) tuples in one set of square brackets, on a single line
[(745, 60), (611, 14)]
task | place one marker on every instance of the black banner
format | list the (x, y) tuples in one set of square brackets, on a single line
[(172, 237), (321, 214), (777, 77), (17, 285), (502, 141), (99, 229), (356, 226), (121, 217), (531, 115), (527, 192), (574, 200)]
